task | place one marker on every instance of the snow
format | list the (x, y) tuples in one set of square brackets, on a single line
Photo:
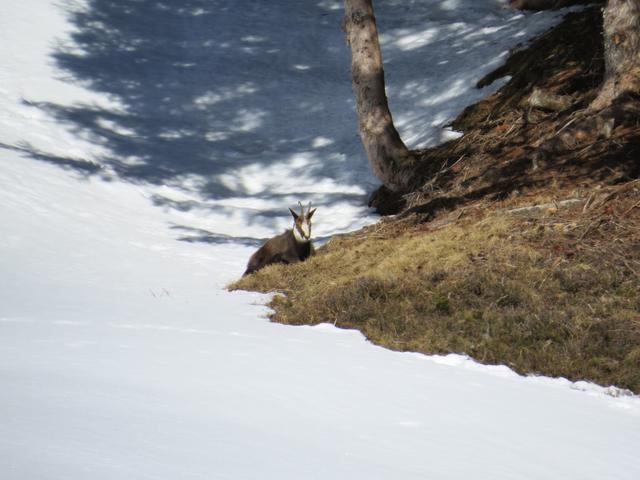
[(146, 150)]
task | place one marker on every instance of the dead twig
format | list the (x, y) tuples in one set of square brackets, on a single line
[(545, 206), (586, 230), (628, 210), (587, 205), (617, 191), (565, 126)]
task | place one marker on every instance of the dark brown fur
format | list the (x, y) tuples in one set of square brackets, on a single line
[(289, 247), (283, 248)]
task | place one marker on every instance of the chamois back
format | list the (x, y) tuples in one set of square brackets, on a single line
[(292, 246)]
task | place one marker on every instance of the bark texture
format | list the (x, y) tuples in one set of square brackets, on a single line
[(388, 156), (621, 31)]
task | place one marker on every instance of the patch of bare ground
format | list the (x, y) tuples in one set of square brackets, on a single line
[(522, 244)]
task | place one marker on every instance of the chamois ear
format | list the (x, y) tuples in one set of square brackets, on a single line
[(310, 214), (295, 215)]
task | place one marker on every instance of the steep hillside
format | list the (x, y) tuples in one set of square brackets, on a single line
[(521, 245)]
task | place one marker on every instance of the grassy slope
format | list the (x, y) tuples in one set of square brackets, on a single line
[(518, 248)]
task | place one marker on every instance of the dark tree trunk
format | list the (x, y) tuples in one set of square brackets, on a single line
[(388, 156), (539, 4), (621, 28)]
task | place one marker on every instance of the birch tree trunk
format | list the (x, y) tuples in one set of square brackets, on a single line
[(388, 156), (621, 25)]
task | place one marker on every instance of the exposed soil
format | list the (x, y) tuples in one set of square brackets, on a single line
[(511, 150)]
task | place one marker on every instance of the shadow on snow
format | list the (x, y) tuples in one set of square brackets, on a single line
[(212, 90), (230, 92)]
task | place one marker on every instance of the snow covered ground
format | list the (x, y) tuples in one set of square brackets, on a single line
[(146, 149)]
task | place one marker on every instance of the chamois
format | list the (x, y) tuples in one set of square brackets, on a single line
[(292, 246)]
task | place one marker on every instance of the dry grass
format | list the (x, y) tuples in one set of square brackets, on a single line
[(469, 266), (552, 292)]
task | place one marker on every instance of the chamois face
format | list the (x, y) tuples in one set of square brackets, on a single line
[(302, 224)]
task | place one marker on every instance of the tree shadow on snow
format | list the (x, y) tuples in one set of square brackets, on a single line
[(212, 90), (226, 98)]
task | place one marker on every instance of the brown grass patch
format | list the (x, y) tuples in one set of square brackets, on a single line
[(550, 292), (522, 245)]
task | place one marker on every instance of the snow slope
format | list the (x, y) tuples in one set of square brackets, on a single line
[(147, 148)]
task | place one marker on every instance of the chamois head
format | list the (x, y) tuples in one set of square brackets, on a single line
[(290, 246), (302, 223)]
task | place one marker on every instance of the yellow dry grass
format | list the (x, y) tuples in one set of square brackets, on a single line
[(553, 292)]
